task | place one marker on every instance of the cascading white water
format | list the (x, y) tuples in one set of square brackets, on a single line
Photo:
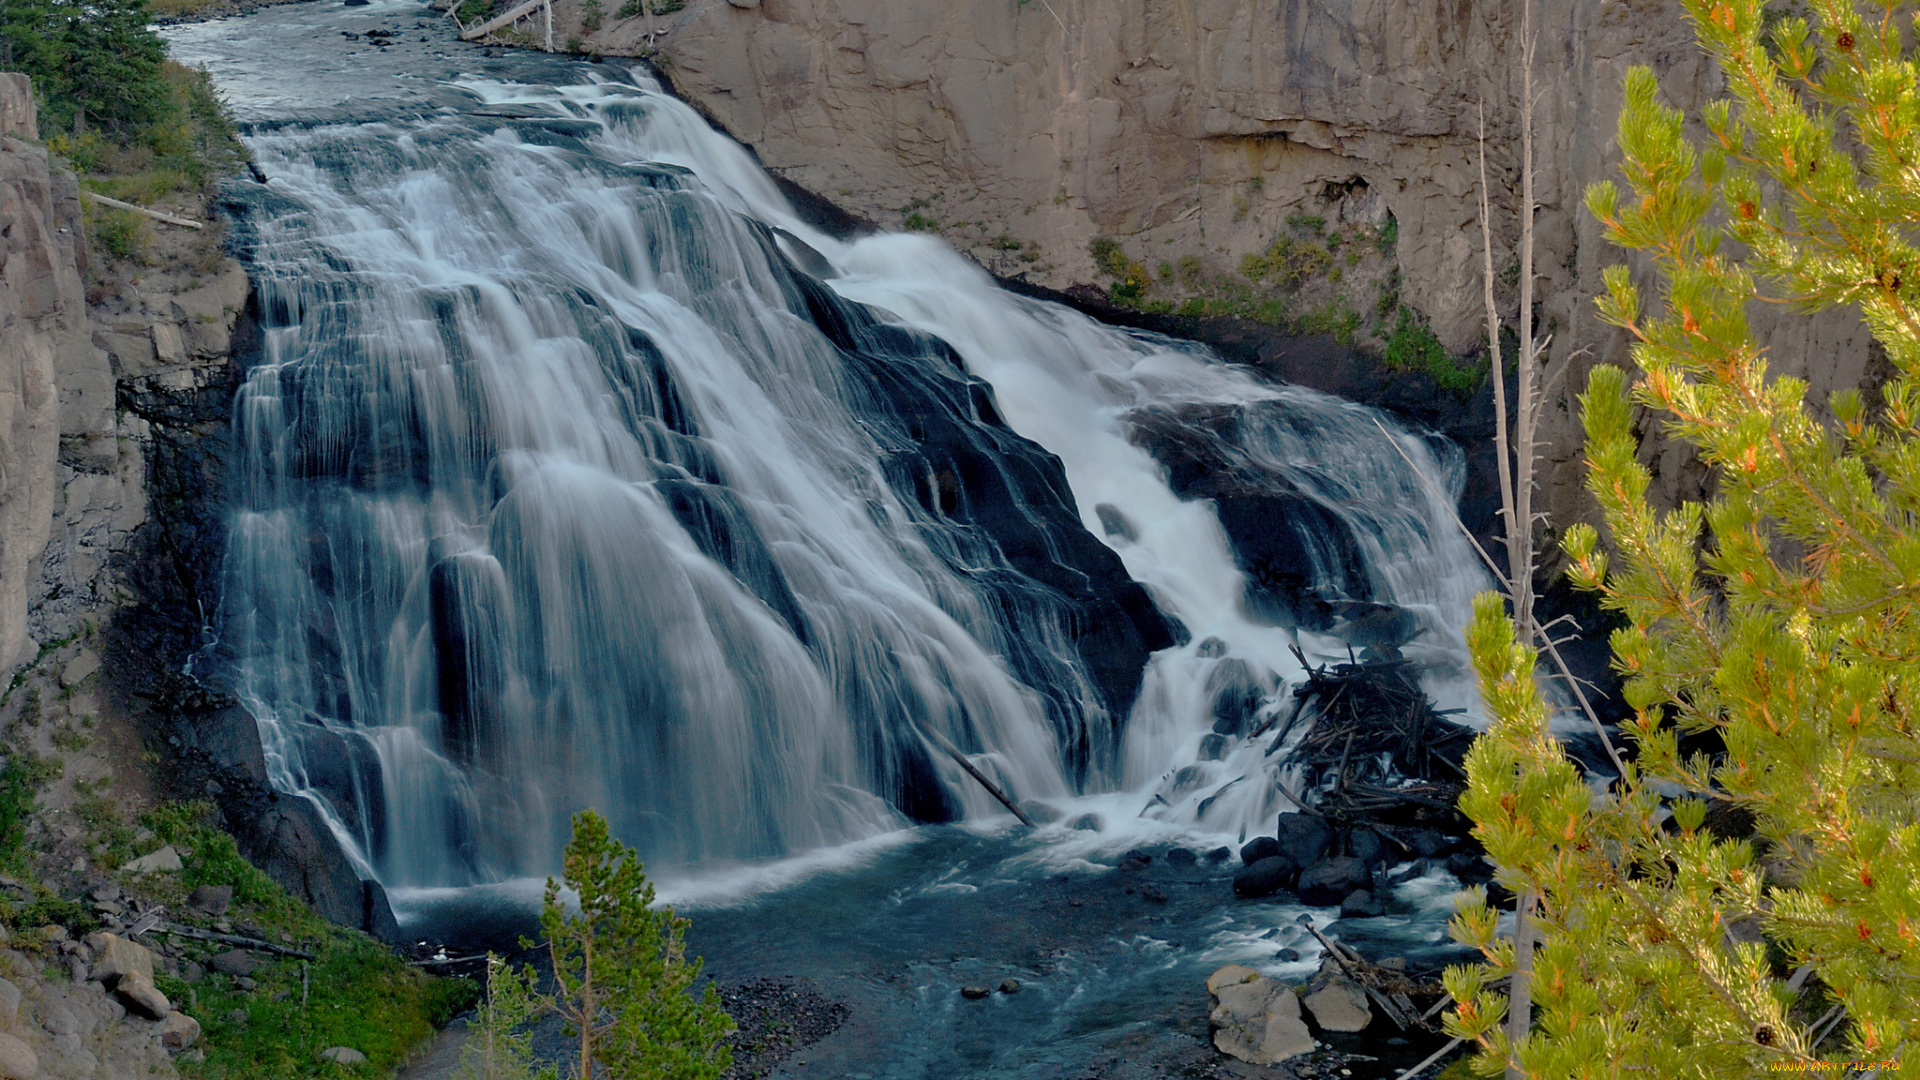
[(560, 491)]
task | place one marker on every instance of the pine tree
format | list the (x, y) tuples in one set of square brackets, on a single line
[(499, 1042), (1747, 896), (621, 972), (94, 62)]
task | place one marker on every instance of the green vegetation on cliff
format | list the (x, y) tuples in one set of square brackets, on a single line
[(136, 125), (1309, 279)]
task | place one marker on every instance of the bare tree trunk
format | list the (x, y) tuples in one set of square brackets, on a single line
[(1520, 517), (1517, 456)]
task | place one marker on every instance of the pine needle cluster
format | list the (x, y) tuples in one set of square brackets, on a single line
[(1746, 899)]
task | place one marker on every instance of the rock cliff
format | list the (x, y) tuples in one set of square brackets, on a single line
[(116, 386), (1195, 129), (43, 334)]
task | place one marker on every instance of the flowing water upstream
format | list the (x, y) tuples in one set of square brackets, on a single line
[(577, 469)]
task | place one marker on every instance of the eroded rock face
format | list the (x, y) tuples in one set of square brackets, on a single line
[(1195, 129), (43, 330)]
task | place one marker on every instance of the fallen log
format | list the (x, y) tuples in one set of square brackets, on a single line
[(513, 15), (154, 214), (1339, 957), (992, 788), (231, 939)]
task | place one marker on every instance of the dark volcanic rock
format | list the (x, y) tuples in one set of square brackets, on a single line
[(1261, 847), (1181, 857), (954, 457), (1329, 883), (1360, 904), (1282, 539), (1304, 837), (1367, 846), (1219, 854), (1264, 878)]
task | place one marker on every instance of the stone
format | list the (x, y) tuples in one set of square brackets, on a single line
[(1153, 894), (211, 899), (235, 962), (1260, 847), (56, 1018), (1086, 823), (9, 1003), (1264, 878), (1009, 986), (1305, 837), (1254, 1018), (975, 992), (105, 891), (76, 670), (1180, 856), (1329, 883), (343, 1055), (1339, 1005), (18, 110), (178, 1031), (1213, 747), (1367, 846), (1428, 843), (246, 984), (141, 996), (17, 1059), (115, 958), (1360, 904), (237, 1018), (164, 860), (1219, 854)]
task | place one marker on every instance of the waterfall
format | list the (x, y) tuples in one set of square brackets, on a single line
[(577, 470)]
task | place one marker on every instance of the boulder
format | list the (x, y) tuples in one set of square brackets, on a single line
[(1260, 847), (1009, 986), (1339, 1005), (1219, 854), (114, 958), (1135, 860), (141, 996), (1304, 836), (1360, 904), (975, 992), (166, 859), (235, 962), (1427, 843), (1367, 846), (1213, 747), (1264, 878), (343, 1055), (1254, 1018), (1181, 857), (17, 1059), (178, 1031), (1330, 882), (211, 899), (9, 1003), (1086, 823)]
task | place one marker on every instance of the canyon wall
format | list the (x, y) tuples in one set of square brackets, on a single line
[(1194, 129)]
